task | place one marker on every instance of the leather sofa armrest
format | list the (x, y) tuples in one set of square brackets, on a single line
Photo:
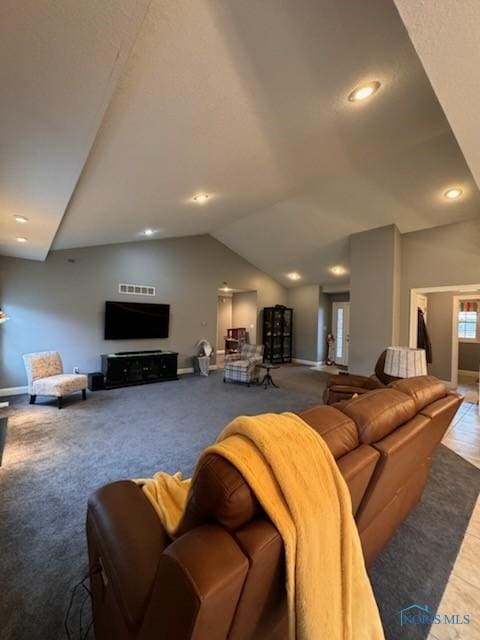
[(126, 539), (199, 581), (348, 379)]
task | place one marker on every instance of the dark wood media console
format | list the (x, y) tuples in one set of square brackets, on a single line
[(138, 367)]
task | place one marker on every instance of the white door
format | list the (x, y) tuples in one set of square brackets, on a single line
[(341, 331)]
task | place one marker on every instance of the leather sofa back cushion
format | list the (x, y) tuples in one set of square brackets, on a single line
[(218, 494), (423, 389), (337, 429), (379, 412)]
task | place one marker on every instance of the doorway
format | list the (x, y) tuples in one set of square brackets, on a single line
[(341, 331), (236, 308), (454, 329)]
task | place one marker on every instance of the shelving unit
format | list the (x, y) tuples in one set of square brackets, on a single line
[(277, 334)]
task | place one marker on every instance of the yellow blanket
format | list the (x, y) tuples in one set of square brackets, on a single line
[(296, 480)]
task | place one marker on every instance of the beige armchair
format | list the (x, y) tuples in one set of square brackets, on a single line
[(46, 378)]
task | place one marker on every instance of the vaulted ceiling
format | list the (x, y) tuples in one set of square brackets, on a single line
[(117, 113)]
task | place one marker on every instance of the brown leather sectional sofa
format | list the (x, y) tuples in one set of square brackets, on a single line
[(222, 578)]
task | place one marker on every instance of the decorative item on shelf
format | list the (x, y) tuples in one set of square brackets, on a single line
[(405, 362)]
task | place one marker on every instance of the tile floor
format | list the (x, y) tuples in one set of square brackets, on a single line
[(462, 594)]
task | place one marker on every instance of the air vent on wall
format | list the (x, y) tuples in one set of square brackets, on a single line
[(136, 289)]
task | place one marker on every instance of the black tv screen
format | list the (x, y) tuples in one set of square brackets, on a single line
[(129, 320)]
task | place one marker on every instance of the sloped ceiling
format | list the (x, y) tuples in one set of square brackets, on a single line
[(59, 64), (249, 104), (446, 38)]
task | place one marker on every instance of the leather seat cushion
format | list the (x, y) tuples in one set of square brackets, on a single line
[(379, 412), (423, 389), (338, 431)]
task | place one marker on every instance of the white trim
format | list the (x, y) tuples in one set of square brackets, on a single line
[(455, 339), (310, 363), (13, 391), (181, 372), (468, 374)]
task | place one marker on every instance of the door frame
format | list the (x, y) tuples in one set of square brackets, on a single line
[(346, 334), (412, 334), (455, 340)]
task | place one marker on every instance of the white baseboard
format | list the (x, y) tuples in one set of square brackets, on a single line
[(13, 391), (310, 363), (181, 372), (467, 373)]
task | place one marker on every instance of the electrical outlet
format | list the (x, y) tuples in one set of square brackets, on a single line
[(76, 369)]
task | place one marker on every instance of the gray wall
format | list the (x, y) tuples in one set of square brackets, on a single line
[(60, 305), (310, 321), (244, 312), (469, 356), (374, 289), (443, 256), (439, 324), (224, 320)]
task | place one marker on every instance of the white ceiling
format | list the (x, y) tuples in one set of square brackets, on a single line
[(250, 106), (59, 65)]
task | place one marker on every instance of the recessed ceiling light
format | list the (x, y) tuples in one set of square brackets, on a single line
[(201, 198), (21, 239), (364, 91), (453, 194), (148, 232), (338, 270), (21, 219), (293, 275)]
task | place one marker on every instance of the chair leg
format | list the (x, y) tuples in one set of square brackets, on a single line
[(84, 394), (32, 399), (59, 402)]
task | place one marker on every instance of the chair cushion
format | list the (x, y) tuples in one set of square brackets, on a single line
[(45, 364), (237, 364), (59, 385)]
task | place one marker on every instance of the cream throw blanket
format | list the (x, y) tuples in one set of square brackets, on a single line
[(295, 478)]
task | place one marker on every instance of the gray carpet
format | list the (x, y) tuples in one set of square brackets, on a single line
[(54, 459)]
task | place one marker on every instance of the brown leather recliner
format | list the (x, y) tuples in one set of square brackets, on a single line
[(344, 386), (223, 576)]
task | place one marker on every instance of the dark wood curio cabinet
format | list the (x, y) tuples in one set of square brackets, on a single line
[(277, 334)]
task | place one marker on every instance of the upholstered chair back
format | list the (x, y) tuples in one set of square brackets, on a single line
[(250, 351), (42, 365)]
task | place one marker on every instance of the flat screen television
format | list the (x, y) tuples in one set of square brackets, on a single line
[(130, 320)]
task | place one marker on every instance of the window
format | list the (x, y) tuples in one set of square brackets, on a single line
[(468, 320)]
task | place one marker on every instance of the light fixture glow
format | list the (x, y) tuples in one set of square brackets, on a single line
[(364, 91), (294, 276), (453, 194), (201, 198), (21, 239), (21, 219), (148, 232), (225, 288), (338, 270)]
